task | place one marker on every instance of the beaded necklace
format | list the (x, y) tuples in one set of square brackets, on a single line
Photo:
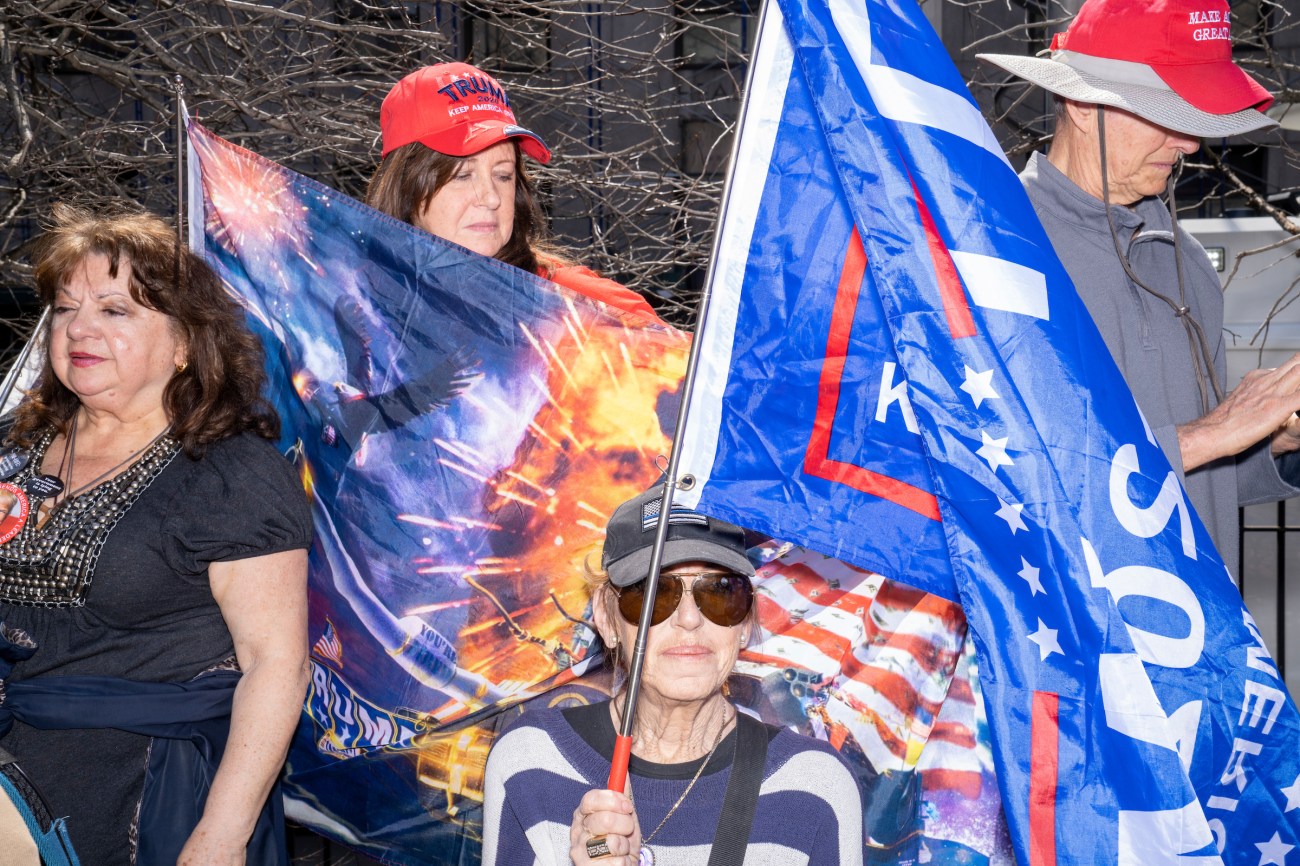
[(69, 459)]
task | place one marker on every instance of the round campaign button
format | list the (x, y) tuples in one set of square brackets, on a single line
[(14, 507), (43, 486), (12, 461)]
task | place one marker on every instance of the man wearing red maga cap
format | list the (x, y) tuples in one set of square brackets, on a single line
[(1137, 84)]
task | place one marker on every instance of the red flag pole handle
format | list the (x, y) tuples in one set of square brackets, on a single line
[(618, 768)]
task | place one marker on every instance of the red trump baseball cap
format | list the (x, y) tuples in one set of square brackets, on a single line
[(456, 109), (1168, 61)]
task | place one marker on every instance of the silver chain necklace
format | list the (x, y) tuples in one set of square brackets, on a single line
[(647, 855)]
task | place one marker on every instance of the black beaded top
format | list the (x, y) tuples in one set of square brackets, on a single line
[(52, 565)]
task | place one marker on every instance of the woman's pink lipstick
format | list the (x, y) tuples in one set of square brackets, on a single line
[(81, 359)]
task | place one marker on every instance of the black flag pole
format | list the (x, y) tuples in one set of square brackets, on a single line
[(623, 742)]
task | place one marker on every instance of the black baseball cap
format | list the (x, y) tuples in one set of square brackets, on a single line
[(692, 537)]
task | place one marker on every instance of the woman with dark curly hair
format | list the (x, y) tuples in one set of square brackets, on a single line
[(453, 165), (153, 598)]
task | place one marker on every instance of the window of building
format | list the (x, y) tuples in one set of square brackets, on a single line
[(706, 145), (717, 32), (516, 40)]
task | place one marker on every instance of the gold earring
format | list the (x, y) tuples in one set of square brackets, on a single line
[(182, 366)]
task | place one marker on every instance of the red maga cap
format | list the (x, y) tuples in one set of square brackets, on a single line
[(453, 108), (1188, 43)]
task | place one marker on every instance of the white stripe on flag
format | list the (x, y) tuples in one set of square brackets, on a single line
[(943, 755), (909, 621), (997, 284), (839, 623), (773, 59), (863, 729), (905, 98), (928, 683), (870, 696), (797, 654)]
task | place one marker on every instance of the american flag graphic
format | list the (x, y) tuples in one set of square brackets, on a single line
[(328, 647), (884, 672)]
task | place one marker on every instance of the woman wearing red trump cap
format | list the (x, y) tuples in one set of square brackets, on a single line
[(453, 165)]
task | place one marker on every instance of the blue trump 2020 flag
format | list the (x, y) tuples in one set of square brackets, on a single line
[(936, 404)]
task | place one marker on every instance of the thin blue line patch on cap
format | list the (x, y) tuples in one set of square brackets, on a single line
[(680, 515)]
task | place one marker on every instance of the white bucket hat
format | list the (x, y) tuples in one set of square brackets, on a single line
[(1167, 61)]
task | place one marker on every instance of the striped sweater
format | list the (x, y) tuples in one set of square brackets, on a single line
[(809, 810)]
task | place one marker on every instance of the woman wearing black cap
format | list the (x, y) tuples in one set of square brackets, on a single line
[(453, 165), (702, 776)]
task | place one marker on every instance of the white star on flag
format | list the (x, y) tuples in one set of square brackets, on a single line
[(994, 451), (979, 386), (1273, 851), (1030, 576), (1010, 512), (1046, 639), (1292, 795)]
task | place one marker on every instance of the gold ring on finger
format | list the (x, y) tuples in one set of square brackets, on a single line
[(598, 846)]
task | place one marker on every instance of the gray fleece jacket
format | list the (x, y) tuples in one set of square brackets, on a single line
[(1148, 342)]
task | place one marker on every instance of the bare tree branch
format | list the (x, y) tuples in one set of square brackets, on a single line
[(637, 98)]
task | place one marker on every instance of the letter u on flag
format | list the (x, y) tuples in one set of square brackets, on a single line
[(936, 405)]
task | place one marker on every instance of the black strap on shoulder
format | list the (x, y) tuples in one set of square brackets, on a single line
[(741, 800)]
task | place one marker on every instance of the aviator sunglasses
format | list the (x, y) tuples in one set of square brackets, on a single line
[(723, 597)]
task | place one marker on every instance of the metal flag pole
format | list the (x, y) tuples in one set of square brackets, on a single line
[(623, 742), (178, 86), (20, 363)]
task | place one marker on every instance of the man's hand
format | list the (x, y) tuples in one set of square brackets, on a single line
[(1287, 438), (1263, 405)]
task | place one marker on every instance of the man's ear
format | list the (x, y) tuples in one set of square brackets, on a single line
[(1082, 116)]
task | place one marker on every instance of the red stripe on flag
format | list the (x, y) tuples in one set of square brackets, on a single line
[(951, 290), (1043, 777), (960, 691), (957, 733), (816, 459), (924, 653), (893, 688), (967, 783)]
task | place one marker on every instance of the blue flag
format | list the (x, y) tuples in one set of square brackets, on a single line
[(936, 404)]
